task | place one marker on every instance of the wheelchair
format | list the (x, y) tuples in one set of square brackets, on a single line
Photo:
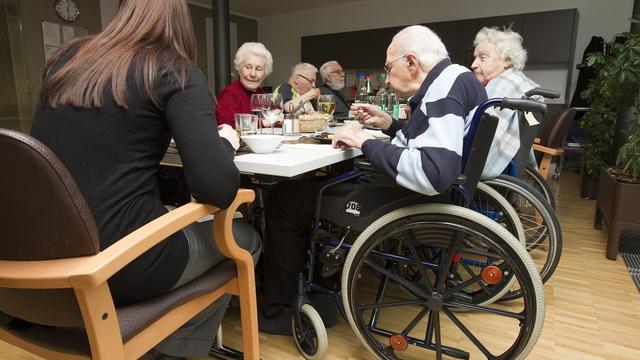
[(533, 201), (413, 271)]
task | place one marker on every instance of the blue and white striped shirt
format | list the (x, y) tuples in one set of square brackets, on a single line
[(425, 155)]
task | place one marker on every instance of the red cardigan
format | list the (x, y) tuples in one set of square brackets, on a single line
[(232, 100)]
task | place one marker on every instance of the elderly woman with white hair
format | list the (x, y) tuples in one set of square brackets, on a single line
[(499, 60), (254, 63)]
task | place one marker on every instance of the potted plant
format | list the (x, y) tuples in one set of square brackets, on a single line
[(610, 94), (619, 188)]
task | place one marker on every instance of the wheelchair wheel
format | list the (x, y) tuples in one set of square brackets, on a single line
[(540, 222), (533, 178), (311, 338), (447, 244)]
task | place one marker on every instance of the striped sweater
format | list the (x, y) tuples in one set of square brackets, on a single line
[(425, 155)]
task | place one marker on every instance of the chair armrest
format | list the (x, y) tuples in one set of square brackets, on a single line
[(90, 271), (548, 150), (42, 274), (105, 264)]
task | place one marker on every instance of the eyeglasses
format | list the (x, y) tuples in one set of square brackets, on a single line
[(339, 71), (387, 66), (311, 81)]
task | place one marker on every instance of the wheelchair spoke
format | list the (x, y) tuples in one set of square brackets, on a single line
[(406, 283), (485, 289), (363, 307), (415, 321), (468, 333), (446, 259), (467, 306), (418, 261), (436, 324), (463, 285)]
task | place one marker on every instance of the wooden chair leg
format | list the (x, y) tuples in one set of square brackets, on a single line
[(248, 314), (544, 166)]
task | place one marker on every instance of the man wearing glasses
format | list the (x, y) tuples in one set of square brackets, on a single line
[(424, 155), (298, 93), (333, 77)]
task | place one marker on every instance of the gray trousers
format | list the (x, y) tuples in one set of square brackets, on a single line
[(195, 338)]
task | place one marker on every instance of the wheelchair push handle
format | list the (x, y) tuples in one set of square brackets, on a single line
[(545, 93), (524, 105)]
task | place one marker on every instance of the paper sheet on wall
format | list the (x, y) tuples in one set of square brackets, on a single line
[(55, 34), (50, 34), (68, 33)]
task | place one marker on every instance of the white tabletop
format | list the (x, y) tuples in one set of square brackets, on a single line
[(293, 159), (288, 160)]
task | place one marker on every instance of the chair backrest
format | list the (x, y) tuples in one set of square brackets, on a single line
[(43, 216), (556, 127)]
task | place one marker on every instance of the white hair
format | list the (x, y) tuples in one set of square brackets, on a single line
[(420, 40), (297, 68), (324, 69), (254, 48), (508, 44)]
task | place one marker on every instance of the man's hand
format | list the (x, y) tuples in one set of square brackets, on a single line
[(372, 115), (230, 134), (312, 94), (350, 136)]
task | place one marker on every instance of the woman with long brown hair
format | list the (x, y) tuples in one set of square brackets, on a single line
[(109, 105)]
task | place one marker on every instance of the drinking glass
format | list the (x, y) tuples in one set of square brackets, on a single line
[(326, 106), (271, 108), (246, 124), (256, 106)]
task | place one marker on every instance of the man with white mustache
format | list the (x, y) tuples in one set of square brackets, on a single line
[(333, 77)]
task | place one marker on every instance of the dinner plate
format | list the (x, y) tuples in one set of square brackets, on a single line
[(322, 139)]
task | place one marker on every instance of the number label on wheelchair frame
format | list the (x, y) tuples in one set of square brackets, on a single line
[(353, 208)]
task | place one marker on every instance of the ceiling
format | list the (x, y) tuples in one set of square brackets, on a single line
[(258, 8)]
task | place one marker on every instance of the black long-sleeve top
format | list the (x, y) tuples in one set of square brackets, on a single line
[(113, 154)]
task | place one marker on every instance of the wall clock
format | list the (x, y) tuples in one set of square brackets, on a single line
[(67, 10)]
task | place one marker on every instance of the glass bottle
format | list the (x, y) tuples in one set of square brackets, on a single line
[(361, 95), (382, 96), (394, 104), (371, 95)]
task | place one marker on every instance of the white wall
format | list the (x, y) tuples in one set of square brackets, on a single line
[(281, 34)]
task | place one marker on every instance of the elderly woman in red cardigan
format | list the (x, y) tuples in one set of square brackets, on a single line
[(254, 63)]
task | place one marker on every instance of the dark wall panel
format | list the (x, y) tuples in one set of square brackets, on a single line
[(548, 37)]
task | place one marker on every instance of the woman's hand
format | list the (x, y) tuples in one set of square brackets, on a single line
[(350, 136), (371, 115), (230, 134)]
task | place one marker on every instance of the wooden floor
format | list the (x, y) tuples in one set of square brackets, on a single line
[(593, 307)]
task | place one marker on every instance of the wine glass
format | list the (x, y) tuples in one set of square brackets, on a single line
[(326, 106), (256, 106), (271, 108)]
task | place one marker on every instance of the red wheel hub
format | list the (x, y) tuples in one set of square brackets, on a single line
[(398, 342), (491, 274)]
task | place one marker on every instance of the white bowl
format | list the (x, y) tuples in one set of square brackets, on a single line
[(262, 143)]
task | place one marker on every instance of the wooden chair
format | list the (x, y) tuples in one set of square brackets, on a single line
[(551, 140), (54, 277)]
